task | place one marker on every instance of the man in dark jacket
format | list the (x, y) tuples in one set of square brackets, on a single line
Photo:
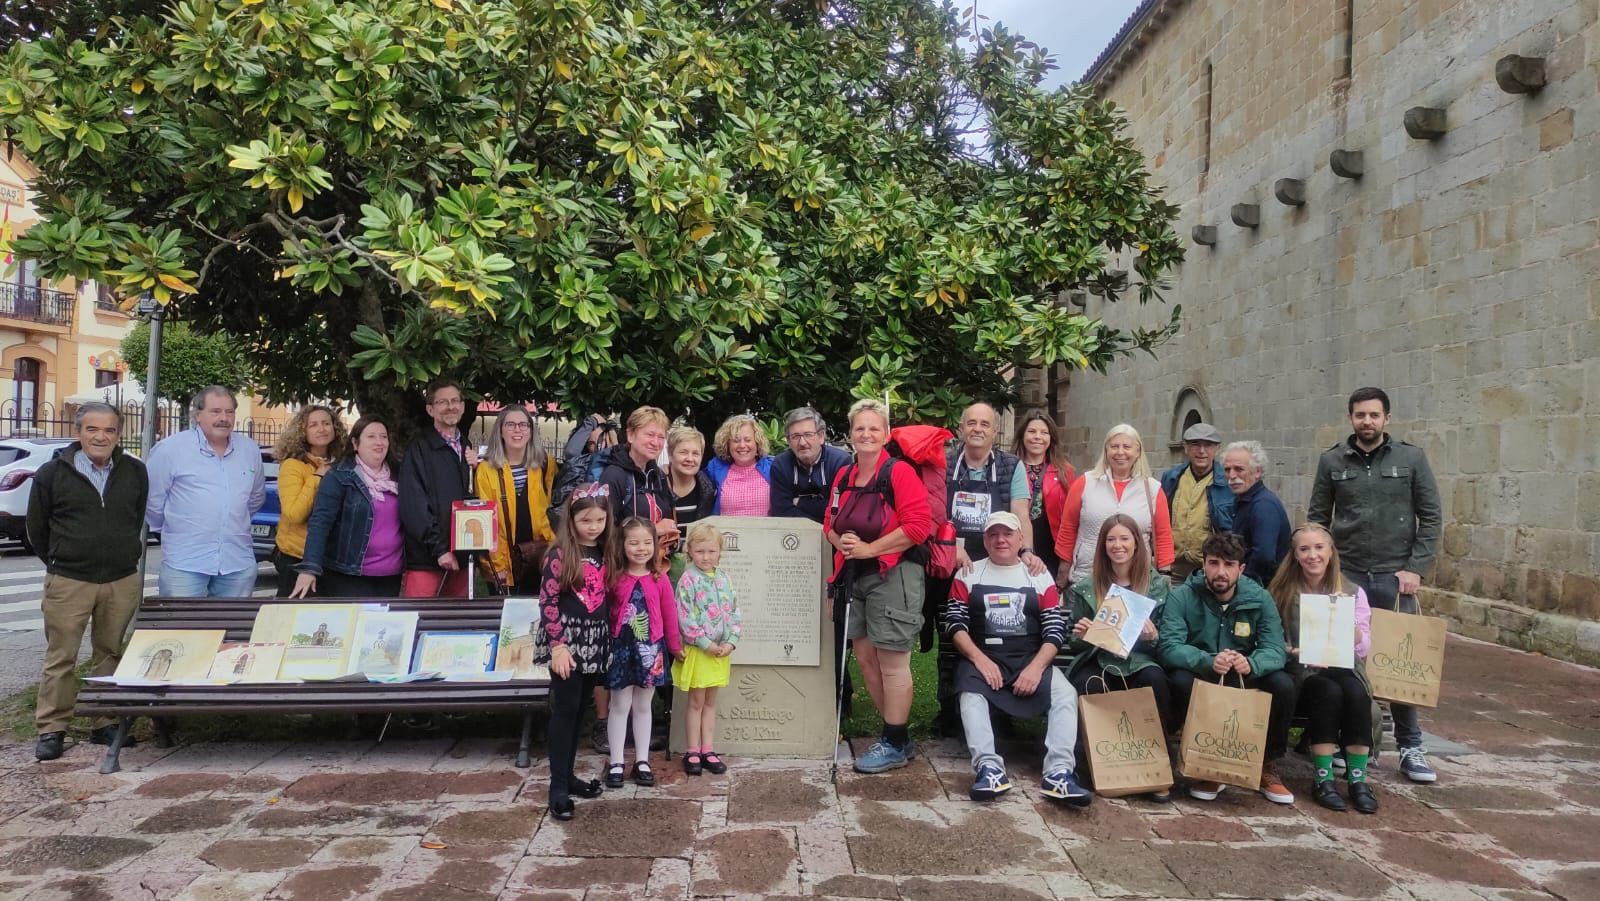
[(1218, 625), (1198, 498), (801, 475), (1258, 515), (1378, 498), (85, 516), (436, 472)]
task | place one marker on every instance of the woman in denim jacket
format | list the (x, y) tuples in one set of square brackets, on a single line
[(354, 541)]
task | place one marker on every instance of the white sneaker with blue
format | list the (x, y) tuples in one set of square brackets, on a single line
[(882, 757), (990, 783), (1414, 763), (1063, 786)]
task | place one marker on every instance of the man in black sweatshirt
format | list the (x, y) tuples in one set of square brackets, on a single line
[(84, 519)]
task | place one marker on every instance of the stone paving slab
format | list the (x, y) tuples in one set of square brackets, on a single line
[(1514, 816)]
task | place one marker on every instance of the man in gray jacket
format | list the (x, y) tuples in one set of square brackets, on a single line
[(1378, 498)]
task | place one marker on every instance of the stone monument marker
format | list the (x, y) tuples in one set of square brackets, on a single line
[(779, 701)]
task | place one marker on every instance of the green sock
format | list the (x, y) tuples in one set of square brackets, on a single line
[(1324, 766), (1355, 769)]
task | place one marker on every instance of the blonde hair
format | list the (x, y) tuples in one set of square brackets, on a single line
[(1141, 466), (644, 416), (868, 405), (678, 434), (730, 427), (701, 531), (1291, 579)]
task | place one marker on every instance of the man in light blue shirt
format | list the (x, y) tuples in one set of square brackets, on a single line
[(205, 483)]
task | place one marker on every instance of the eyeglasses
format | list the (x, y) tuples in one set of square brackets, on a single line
[(804, 436), (515, 427), (451, 402)]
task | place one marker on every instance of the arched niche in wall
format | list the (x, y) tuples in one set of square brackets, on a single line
[(1190, 408)]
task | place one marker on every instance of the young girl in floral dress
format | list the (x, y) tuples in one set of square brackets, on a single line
[(709, 615), (575, 634), (644, 631)]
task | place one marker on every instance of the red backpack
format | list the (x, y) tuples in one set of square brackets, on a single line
[(922, 447)]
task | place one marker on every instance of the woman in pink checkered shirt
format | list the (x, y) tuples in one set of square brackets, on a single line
[(742, 468)]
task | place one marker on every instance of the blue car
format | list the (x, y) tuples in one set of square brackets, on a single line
[(264, 525)]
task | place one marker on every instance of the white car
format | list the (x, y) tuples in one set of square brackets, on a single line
[(20, 458)]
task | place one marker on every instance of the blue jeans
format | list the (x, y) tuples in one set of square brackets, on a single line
[(1383, 593), (178, 583)]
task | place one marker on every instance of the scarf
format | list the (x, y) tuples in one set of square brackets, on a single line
[(378, 481)]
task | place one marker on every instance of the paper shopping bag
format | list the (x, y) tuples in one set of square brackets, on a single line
[(1406, 663), (1328, 630), (1127, 749), (1225, 736)]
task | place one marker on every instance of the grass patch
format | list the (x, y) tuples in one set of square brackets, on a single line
[(864, 719)]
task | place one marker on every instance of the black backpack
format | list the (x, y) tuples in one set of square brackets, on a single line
[(575, 472)]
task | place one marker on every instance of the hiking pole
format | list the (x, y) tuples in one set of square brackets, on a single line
[(844, 589)]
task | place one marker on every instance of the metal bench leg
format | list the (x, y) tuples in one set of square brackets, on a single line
[(111, 763), (163, 728), (525, 750)]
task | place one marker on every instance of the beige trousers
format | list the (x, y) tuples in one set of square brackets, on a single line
[(70, 607)]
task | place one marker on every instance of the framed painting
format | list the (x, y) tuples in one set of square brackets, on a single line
[(452, 653)]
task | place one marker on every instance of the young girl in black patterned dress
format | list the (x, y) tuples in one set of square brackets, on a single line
[(575, 637)]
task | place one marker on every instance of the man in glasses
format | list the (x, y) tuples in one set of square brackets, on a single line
[(436, 472), (800, 479), (802, 474)]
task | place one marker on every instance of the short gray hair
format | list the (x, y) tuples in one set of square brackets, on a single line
[(801, 414), (197, 404), (1258, 454), (95, 407)]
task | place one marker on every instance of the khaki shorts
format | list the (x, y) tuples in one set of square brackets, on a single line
[(887, 608)]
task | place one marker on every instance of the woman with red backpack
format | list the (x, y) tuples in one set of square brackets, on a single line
[(873, 518)]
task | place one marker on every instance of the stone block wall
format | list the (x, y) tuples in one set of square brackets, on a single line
[(1461, 274)]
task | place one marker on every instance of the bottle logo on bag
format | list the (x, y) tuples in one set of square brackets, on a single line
[(1227, 745), (1403, 666)]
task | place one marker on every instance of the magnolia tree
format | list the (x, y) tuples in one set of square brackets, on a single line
[(711, 206)]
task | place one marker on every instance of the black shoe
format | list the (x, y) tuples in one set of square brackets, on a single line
[(105, 735), (1362, 798), (561, 808), (50, 745), (1327, 794), (642, 776), (691, 763), (590, 789), (600, 740), (714, 764), (614, 776), (658, 739)]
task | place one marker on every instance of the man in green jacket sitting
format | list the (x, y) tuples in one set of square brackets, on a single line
[(1216, 625)]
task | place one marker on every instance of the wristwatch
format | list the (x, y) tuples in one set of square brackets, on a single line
[(1026, 550)]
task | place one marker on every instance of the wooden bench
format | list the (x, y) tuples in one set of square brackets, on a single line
[(236, 617)]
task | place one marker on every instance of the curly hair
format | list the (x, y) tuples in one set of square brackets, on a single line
[(722, 441), (292, 441)]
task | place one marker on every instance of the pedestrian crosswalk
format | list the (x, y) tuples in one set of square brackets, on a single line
[(20, 590)]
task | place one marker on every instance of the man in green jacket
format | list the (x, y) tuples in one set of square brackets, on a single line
[(1377, 497), (84, 519), (1216, 625)]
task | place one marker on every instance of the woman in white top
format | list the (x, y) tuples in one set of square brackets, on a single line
[(1120, 482)]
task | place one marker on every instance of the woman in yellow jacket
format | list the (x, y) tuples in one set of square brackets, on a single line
[(313, 441), (517, 475)]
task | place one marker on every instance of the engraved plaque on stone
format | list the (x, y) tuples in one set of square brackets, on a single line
[(779, 701)]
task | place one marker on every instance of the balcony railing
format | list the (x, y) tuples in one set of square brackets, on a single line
[(37, 304)]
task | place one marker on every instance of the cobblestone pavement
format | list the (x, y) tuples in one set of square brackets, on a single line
[(1511, 817)]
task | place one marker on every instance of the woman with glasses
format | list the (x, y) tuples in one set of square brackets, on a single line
[(518, 478), (800, 476), (742, 469)]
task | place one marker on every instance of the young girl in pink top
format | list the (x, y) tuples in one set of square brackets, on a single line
[(644, 631)]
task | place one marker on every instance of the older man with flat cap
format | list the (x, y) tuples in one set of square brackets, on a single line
[(1198, 498)]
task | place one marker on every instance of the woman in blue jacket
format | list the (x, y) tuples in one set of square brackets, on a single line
[(354, 542)]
